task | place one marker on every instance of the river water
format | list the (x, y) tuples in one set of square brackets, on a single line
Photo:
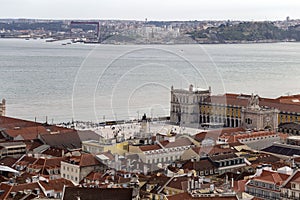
[(113, 82)]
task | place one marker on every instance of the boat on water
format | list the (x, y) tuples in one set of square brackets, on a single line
[(51, 40)]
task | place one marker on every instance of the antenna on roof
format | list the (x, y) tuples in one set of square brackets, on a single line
[(37, 131)]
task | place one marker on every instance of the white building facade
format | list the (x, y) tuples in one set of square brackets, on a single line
[(184, 109)]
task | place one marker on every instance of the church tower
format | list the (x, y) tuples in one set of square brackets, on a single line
[(144, 131)]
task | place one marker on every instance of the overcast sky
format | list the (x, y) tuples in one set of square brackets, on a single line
[(152, 10)]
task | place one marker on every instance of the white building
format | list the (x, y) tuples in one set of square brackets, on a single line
[(184, 109), (291, 187), (163, 152)]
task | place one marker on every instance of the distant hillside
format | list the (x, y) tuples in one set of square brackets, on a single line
[(246, 32)]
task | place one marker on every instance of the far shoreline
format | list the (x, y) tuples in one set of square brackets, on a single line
[(167, 44)]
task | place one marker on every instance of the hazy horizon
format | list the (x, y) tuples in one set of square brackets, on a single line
[(155, 10), (102, 19)]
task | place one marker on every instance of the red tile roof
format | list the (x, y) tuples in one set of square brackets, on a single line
[(8, 161), (84, 160), (6, 188), (295, 177), (213, 150), (95, 176), (97, 193), (214, 134), (272, 177), (239, 186), (56, 185), (27, 133), (282, 103), (179, 142), (32, 144), (263, 158), (234, 137), (41, 163), (46, 163), (150, 147), (9, 122), (186, 196), (166, 144), (63, 140), (293, 99), (26, 160), (29, 130), (25, 186), (56, 152)]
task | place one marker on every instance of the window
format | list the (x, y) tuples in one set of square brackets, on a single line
[(293, 185), (248, 121), (270, 186)]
